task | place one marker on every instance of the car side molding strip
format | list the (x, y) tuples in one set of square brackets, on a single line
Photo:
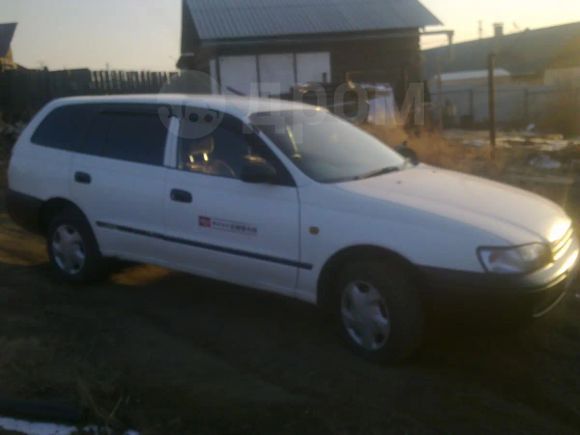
[(207, 246)]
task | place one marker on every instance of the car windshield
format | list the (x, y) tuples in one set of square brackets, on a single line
[(326, 148)]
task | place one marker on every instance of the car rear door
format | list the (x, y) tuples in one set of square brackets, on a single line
[(222, 227), (118, 179)]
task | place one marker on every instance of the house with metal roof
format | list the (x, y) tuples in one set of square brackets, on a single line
[(536, 70), (266, 47), (6, 34), (542, 56)]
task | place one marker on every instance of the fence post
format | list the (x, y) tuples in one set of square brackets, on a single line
[(492, 120), (472, 106), (440, 95), (577, 99), (526, 106)]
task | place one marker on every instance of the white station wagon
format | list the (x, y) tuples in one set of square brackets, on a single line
[(286, 198)]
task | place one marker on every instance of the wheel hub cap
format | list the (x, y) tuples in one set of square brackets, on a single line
[(365, 315), (68, 249)]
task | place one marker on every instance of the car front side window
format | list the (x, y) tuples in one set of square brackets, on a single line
[(220, 153), (223, 150)]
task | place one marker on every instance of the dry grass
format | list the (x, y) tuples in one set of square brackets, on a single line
[(563, 115), (507, 165), (434, 149)]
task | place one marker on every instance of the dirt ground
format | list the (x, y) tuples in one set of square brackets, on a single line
[(166, 353)]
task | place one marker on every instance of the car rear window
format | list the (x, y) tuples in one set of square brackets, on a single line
[(64, 128)]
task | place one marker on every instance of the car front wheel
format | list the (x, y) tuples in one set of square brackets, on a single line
[(379, 312)]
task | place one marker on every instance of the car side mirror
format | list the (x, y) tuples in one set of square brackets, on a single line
[(408, 153), (258, 171)]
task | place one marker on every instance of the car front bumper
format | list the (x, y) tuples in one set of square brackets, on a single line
[(538, 292)]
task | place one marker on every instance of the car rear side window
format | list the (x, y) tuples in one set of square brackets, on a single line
[(64, 127), (137, 137)]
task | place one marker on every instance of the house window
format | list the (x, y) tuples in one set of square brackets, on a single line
[(269, 74)]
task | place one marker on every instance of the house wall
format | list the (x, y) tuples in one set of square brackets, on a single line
[(568, 56), (391, 57), (563, 77), (190, 42), (395, 60)]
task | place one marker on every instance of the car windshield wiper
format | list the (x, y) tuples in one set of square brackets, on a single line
[(383, 171)]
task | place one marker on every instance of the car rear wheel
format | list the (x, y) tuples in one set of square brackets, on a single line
[(72, 249), (378, 311)]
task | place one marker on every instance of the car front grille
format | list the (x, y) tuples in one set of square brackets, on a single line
[(547, 300), (561, 247)]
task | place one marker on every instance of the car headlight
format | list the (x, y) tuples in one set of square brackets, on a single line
[(520, 259)]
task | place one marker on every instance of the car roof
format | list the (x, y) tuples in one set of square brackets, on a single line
[(243, 107)]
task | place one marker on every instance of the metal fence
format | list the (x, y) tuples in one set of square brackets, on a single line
[(516, 105), (23, 92)]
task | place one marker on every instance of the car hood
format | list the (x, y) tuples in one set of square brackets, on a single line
[(515, 215)]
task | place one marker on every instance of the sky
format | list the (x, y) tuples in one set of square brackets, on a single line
[(145, 34)]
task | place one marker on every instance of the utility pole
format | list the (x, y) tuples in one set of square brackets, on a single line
[(439, 94), (492, 114)]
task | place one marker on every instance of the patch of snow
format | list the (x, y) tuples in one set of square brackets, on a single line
[(476, 143), (545, 162), (473, 75), (29, 428), (34, 428), (554, 145)]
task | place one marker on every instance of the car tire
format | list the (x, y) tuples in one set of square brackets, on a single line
[(73, 251), (379, 312)]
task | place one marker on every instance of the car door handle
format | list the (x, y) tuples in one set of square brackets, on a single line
[(181, 196), (83, 178)]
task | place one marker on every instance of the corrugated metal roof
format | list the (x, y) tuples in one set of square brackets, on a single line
[(236, 19), (522, 53), (6, 35)]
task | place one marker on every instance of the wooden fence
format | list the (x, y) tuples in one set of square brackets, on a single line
[(23, 92)]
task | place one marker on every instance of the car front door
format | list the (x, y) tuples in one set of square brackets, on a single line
[(223, 227)]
